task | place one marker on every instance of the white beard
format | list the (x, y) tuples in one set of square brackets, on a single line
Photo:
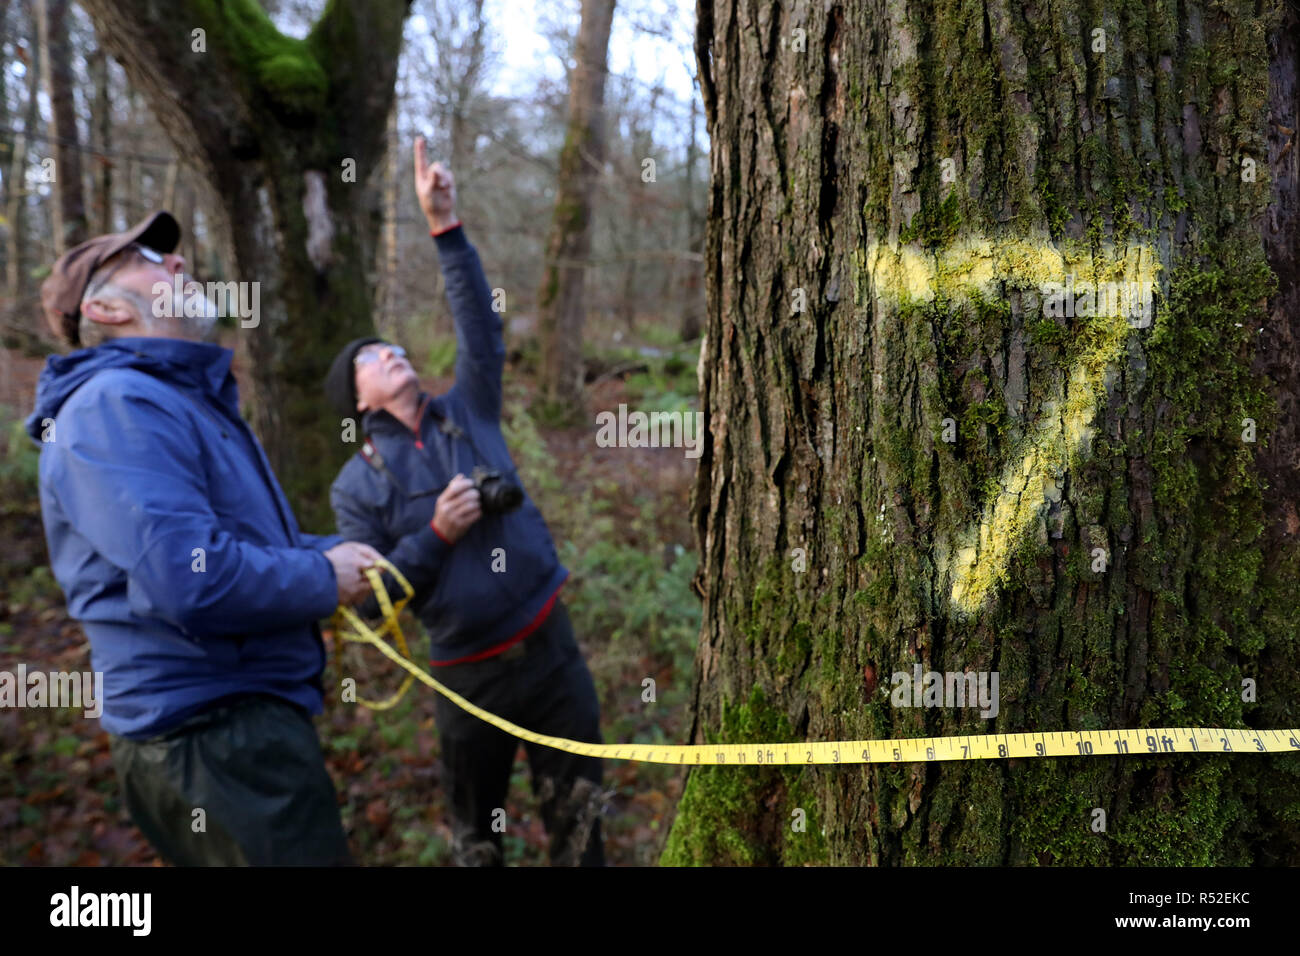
[(203, 325), (198, 327)]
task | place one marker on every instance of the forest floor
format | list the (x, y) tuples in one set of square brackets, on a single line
[(620, 518)]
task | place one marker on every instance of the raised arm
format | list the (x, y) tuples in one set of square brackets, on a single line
[(480, 349)]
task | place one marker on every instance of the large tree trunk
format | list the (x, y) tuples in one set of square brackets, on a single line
[(913, 176), (69, 209), (287, 136), (560, 304)]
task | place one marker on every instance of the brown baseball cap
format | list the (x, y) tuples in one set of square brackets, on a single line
[(61, 292)]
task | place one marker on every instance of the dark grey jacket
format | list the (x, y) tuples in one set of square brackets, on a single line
[(464, 604)]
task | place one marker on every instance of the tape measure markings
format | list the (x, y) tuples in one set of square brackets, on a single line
[(1086, 743)]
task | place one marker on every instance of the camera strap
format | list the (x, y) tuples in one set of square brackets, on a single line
[(445, 425), (454, 432), (376, 461)]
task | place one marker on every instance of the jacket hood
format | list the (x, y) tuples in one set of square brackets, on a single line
[(197, 365)]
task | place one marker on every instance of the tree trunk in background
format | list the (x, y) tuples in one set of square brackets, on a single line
[(912, 177), (133, 212), (6, 139), (69, 211), (288, 135), (560, 300), (186, 201), (628, 299), (387, 299), (17, 261), (690, 324), (168, 201), (102, 135)]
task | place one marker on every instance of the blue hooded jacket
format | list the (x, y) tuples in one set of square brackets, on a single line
[(172, 541)]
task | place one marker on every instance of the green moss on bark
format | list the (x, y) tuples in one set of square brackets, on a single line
[(286, 68), (745, 816)]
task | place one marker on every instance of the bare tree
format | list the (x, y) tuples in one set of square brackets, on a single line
[(560, 301), (460, 32)]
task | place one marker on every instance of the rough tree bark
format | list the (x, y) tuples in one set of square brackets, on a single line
[(286, 135), (560, 304), (912, 175), (69, 209)]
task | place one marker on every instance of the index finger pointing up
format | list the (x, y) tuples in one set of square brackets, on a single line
[(421, 167)]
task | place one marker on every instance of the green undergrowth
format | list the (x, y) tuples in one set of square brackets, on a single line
[(663, 379), (19, 462)]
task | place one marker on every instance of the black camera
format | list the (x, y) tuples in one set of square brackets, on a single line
[(497, 493)]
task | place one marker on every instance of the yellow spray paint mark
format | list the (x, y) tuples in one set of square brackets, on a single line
[(1033, 473)]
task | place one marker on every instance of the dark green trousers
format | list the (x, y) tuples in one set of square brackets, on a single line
[(242, 784)]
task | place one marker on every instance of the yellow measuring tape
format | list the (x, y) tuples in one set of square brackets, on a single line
[(1065, 743), (349, 627)]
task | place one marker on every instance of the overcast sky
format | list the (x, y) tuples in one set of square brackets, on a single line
[(526, 54), (631, 52)]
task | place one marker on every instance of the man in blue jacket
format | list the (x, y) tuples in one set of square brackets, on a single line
[(486, 579), (180, 556)]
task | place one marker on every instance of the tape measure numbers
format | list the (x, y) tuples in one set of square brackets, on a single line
[(1064, 743)]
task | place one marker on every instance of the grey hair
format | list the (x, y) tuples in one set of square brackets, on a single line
[(94, 333)]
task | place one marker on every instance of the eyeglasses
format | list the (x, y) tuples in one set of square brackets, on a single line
[(368, 355), (151, 254)]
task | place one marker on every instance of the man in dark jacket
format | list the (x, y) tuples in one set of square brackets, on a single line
[(179, 554), (486, 581)]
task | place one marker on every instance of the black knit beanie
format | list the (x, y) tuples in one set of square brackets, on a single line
[(340, 382)]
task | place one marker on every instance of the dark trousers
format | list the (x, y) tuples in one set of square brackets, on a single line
[(542, 684), (254, 769)]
